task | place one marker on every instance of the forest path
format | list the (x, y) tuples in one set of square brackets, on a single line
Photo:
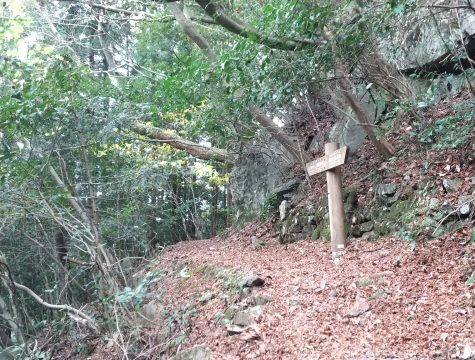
[(383, 300)]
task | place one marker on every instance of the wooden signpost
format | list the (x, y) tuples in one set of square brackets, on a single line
[(331, 163)]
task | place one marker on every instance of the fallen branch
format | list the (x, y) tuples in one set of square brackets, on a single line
[(81, 316)]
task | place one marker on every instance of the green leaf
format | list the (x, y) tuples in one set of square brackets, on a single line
[(252, 37)]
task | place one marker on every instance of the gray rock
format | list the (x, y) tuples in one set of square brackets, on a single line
[(464, 210), (242, 318), (366, 227), (152, 311), (256, 243), (253, 281), (434, 203), (386, 190), (359, 307), (256, 311), (199, 352), (234, 329), (451, 185), (356, 232), (283, 210), (258, 175), (368, 235), (261, 299)]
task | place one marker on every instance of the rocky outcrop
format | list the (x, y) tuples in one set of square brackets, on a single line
[(261, 178), (407, 211)]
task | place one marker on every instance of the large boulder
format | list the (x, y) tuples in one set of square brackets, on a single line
[(261, 177)]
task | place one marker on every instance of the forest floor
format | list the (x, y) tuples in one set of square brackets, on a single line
[(383, 300)]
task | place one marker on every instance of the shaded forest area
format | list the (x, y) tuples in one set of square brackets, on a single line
[(127, 127)]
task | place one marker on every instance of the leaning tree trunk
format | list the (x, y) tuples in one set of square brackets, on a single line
[(192, 148), (346, 87), (277, 133)]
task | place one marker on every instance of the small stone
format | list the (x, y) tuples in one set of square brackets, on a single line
[(407, 178), (451, 185), (294, 302), (363, 281), (359, 307), (465, 205), (434, 203), (152, 311), (256, 311), (242, 318), (464, 210), (234, 329), (253, 281), (356, 232), (366, 227), (261, 299), (468, 352), (368, 236), (386, 190), (323, 284), (230, 311), (283, 210), (206, 296), (256, 243)]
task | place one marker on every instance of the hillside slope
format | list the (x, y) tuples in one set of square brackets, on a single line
[(404, 291), (384, 300)]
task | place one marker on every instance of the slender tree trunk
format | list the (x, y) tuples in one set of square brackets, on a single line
[(214, 210), (106, 51), (346, 87), (229, 201), (190, 30), (278, 134)]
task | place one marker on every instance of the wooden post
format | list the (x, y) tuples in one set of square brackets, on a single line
[(331, 163), (335, 205)]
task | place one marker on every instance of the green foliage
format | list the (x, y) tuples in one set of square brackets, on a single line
[(136, 296), (448, 132)]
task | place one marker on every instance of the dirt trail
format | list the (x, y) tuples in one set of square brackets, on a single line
[(419, 303)]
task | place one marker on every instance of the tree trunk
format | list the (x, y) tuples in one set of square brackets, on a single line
[(192, 148), (236, 26), (347, 91), (267, 123), (214, 210), (346, 86), (190, 30)]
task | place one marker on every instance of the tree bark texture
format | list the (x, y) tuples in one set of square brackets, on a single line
[(192, 148), (267, 123), (346, 88)]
